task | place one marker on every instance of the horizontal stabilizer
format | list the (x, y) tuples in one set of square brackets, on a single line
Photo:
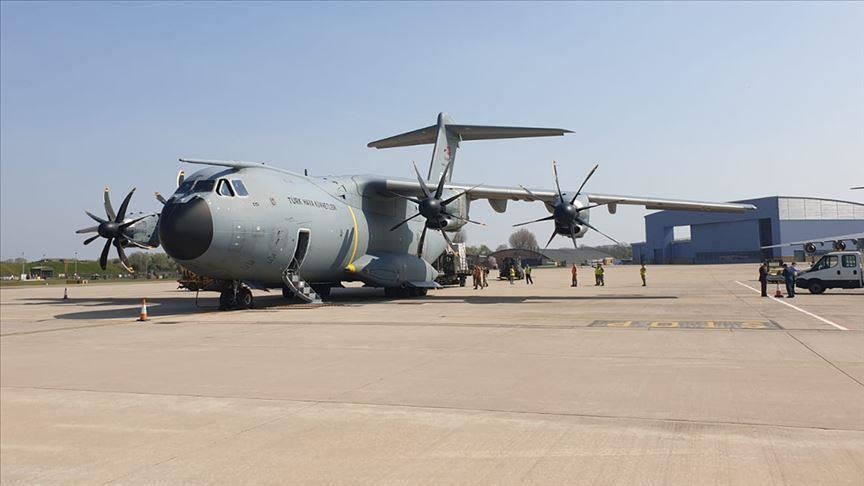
[(429, 134)]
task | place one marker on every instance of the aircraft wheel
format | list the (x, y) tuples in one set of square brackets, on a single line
[(462, 281), (244, 298), (816, 287), (287, 293), (417, 292), (227, 300)]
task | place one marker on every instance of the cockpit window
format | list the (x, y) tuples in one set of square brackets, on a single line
[(205, 185), (224, 189), (239, 187), (184, 188)]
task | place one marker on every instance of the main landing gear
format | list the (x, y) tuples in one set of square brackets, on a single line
[(235, 297)]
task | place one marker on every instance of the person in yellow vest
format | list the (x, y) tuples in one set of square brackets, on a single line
[(642, 273), (598, 275), (512, 274)]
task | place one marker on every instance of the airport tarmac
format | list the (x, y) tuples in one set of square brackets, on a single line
[(694, 379)]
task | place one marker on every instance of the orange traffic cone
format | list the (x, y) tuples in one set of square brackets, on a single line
[(778, 294), (143, 316)]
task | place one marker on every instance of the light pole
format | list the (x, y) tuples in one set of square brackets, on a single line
[(76, 264), (23, 261)]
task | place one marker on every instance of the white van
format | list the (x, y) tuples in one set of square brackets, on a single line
[(838, 269)]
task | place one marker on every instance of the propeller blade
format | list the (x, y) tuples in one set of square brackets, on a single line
[(409, 198), (130, 223), (584, 223), (547, 218), (103, 259), (440, 189), (90, 240), (584, 182), (420, 245), (462, 219), (554, 232), (95, 218), (109, 210), (123, 260), (422, 182), (557, 186), (528, 191), (404, 221), (122, 213), (91, 229), (573, 236), (161, 198), (447, 239), (596, 205), (138, 245), (457, 196)]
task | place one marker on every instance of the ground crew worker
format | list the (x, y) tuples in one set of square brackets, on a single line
[(528, 279), (789, 280), (483, 272), (512, 275), (790, 273), (598, 275), (642, 273), (574, 274), (763, 278), (475, 275)]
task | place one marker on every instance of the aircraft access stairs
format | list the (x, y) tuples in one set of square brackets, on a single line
[(299, 287)]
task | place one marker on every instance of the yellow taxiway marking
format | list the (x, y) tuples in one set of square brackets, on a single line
[(681, 324)]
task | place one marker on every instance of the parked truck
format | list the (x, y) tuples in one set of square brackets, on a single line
[(452, 266), (835, 270)]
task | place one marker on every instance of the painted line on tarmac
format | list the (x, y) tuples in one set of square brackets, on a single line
[(826, 321)]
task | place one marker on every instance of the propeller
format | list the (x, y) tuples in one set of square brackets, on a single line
[(566, 214), (113, 230), (433, 208)]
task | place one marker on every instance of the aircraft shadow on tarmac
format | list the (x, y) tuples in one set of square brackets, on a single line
[(126, 307)]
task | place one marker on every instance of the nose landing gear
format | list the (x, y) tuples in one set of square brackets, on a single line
[(235, 297)]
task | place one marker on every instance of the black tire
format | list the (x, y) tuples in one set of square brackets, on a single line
[(244, 298), (287, 293), (226, 300), (816, 287), (417, 292), (461, 281)]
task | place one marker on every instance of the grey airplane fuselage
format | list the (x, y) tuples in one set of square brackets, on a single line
[(255, 237)]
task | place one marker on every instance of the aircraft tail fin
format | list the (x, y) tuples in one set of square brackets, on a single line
[(446, 136)]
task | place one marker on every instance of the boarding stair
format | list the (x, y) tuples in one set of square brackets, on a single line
[(299, 287)]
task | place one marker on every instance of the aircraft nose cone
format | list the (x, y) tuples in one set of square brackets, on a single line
[(186, 229)]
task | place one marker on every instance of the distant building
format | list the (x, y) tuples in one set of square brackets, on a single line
[(731, 238), (41, 272)]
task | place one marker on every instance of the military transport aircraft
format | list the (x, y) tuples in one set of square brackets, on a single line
[(246, 225)]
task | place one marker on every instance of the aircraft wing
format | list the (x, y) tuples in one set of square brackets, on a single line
[(821, 239), (504, 193)]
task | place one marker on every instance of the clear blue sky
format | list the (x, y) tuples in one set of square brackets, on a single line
[(686, 100)]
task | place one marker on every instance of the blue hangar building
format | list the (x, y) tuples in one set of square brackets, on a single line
[(738, 238)]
